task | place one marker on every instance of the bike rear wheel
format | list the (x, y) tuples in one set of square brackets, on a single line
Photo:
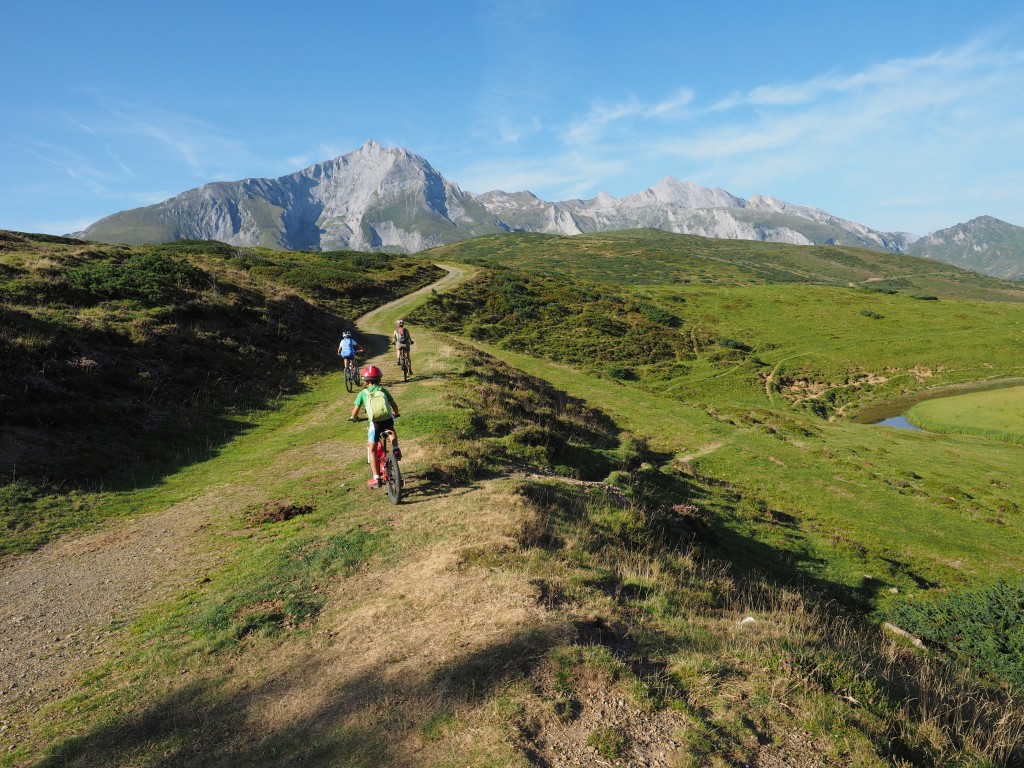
[(406, 368), (394, 477), (350, 383)]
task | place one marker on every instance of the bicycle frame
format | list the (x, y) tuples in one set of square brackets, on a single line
[(391, 475)]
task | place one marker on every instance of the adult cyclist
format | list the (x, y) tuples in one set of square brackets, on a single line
[(402, 340), (381, 412), (348, 349)]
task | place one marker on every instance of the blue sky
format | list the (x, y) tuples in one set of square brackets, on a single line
[(903, 116)]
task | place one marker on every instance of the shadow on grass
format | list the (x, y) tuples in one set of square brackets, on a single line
[(373, 718)]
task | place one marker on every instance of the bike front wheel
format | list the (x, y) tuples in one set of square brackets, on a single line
[(394, 478)]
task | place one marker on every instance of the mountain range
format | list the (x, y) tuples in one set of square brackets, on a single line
[(378, 198)]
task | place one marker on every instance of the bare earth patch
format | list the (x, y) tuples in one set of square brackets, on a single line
[(59, 607)]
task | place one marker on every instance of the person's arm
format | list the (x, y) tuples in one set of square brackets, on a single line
[(359, 402), (394, 405)]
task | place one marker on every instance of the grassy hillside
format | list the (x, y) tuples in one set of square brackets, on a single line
[(121, 362), (655, 258), (745, 384), (501, 617), (816, 347), (638, 528)]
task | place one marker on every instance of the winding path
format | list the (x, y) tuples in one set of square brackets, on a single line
[(60, 604)]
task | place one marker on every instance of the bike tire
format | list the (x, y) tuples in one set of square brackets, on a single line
[(394, 478), (406, 368), (349, 381)]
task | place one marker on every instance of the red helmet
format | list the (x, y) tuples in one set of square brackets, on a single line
[(371, 373)]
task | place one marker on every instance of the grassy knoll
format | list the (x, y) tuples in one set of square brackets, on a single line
[(998, 413), (821, 348), (121, 363)]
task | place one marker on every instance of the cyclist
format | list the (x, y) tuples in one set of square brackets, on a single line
[(347, 349), (402, 340), (381, 412)]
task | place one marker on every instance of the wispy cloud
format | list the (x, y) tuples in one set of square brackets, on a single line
[(525, 41), (68, 161), (894, 125), (603, 116)]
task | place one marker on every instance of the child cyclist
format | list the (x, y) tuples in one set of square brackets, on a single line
[(347, 349), (381, 412), (402, 340)]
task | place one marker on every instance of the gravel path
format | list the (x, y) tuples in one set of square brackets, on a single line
[(60, 606)]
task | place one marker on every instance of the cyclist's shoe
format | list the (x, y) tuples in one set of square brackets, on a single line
[(398, 453), (374, 482)]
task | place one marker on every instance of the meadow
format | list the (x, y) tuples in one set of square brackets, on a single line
[(998, 413), (491, 618), (639, 524), (751, 384)]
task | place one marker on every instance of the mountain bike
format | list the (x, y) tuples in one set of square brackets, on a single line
[(352, 380), (387, 462), (390, 474), (405, 362)]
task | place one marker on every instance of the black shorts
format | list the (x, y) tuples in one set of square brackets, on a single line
[(377, 426)]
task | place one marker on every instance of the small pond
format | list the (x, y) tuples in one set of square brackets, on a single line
[(893, 412), (899, 422)]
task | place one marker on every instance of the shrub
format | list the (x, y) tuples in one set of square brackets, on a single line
[(985, 627), (151, 278)]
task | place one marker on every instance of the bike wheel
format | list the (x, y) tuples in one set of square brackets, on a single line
[(405, 367), (394, 478), (350, 384)]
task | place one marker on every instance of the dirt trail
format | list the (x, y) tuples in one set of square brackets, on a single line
[(58, 605)]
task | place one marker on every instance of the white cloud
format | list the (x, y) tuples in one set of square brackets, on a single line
[(603, 116), (896, 130)]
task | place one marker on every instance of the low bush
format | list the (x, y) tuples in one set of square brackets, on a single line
[(984, 627)]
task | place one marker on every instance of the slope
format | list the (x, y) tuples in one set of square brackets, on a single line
[(656, 258), (122, 363), (984, 244), (504, 616)]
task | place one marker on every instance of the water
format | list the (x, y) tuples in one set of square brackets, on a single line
[(899, 422)]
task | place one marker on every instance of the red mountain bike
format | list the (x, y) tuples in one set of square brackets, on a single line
[(387, 461)]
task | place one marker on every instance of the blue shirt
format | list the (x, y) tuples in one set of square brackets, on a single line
[(348, 347)]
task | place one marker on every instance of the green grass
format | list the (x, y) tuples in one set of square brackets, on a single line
[(997, 413), (774, 345), (157, 354), (743, 399), (622, 567), (656, 258), (701, 426)]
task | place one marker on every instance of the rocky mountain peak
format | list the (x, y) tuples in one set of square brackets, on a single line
[(378, 198)]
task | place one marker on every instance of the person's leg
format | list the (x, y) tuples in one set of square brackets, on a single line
[(371, 455)]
